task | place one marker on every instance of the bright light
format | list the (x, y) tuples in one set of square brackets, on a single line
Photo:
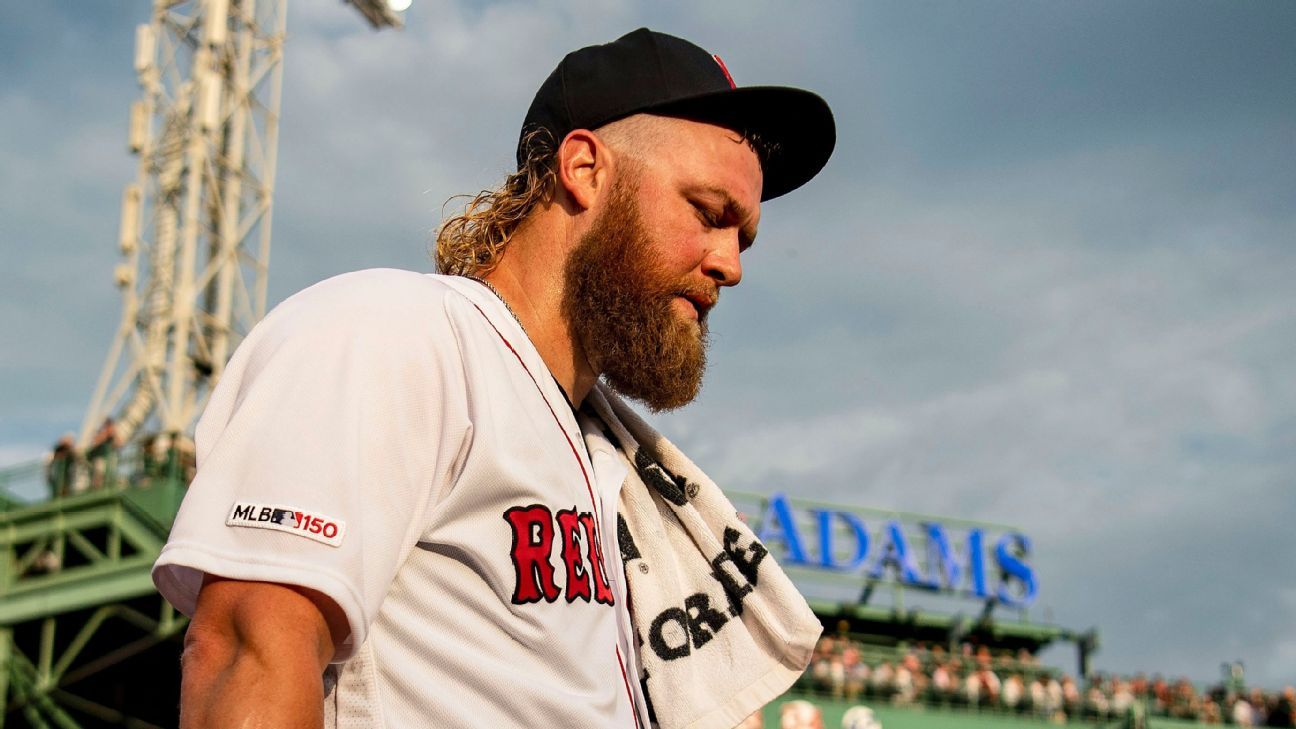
[(399, 6)]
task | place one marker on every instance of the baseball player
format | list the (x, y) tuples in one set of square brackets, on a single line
[(407, 512)]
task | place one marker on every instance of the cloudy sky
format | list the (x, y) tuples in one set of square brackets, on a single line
[(1046, 279)]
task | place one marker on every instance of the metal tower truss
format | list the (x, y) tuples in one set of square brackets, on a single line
[(84, 638), (195, 225)]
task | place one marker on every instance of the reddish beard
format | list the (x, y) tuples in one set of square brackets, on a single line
[(619, 305)]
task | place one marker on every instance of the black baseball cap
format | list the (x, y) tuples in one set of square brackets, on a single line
[(649, 72)]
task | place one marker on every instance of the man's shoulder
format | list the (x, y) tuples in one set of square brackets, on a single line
[(374, 288), (373, 320), (380, 312), (371, 297)]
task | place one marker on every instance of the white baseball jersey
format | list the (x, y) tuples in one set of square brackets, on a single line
[(394, 441)]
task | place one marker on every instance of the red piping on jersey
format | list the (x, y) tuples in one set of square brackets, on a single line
[(588, 488), (634, 709)]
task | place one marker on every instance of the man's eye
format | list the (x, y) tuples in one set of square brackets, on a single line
[(709, 219)]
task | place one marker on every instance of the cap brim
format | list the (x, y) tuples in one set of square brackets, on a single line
[(795, 125)]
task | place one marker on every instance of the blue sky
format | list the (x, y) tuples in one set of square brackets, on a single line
[(1045, 280)]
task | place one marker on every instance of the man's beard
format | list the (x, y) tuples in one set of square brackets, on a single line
[(620, 305)]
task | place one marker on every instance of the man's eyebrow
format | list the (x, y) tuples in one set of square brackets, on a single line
[(735, 211)]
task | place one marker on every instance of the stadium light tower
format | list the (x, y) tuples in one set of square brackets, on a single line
[(195, 224), (75, 595)]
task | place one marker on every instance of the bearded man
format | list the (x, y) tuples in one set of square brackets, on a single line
[(421, 500)]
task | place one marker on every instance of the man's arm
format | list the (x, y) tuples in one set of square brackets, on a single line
[(254, 655)]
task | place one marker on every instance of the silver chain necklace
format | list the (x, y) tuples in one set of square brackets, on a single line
[(513, 314), (503, 301)]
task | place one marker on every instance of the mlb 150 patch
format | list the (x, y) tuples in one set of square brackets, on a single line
[(287, 519)]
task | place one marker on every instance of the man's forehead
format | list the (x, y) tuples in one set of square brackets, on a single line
[(659, 129), (717, 157)]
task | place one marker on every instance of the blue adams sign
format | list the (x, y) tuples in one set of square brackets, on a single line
[(932, 561)]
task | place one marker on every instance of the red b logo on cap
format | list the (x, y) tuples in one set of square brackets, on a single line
[(724, 68)]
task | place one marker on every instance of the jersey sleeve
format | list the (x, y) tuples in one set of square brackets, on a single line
[(337, 426)]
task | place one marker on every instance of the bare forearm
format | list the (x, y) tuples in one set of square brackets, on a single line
[(254, 657), (230, 687)]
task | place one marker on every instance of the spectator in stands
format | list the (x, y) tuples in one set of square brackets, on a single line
[(1209, 712), (1140, 687), (855, 673), (943, 682), (983, 686), (988, 684), (1122, 697), (922, 680), (755, 721), (1014, 693), (103, 453), (1038, 696), (60, 469), (1259, 707), (841, 666), (910, 682), (1070, 696), (972, 689), (156, 453), (1096, 704), (883, 681), (800, 715), (1054, 700), (921, 652), (837, 677), (1240, 711), (820, 671), (904, 685), (1184, 702), (1161, 696), (857, 678), (1283, 712), (860, 717), (959, 687), (938, 656), (827, 645)]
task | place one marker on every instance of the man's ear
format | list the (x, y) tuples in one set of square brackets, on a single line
[(583, 167)]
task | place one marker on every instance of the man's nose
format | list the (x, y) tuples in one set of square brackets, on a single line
[(722, 263)]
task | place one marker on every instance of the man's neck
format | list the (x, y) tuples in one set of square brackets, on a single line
[(532, 286)]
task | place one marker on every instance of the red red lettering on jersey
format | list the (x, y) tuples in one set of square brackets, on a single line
[(578, 583), (602, 590), (532, 552), (532, 541)]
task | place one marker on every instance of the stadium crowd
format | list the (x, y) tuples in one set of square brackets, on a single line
[(108, 463), (975, 679)]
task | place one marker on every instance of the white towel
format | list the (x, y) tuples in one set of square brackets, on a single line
[(720, 629)]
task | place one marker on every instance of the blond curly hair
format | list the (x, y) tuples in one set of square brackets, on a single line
[(470, 243)]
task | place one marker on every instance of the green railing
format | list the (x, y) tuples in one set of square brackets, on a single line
[(16, 479), (47, 479), (75, 594)]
